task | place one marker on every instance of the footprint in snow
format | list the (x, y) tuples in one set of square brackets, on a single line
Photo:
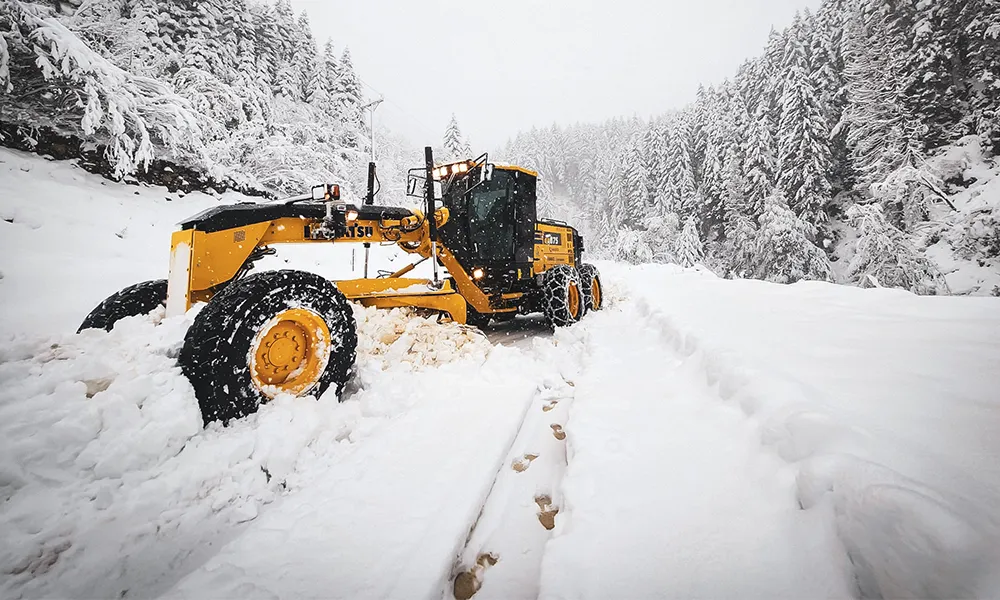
[(546, 512), (558, 432), (521, 464), (467, 583)]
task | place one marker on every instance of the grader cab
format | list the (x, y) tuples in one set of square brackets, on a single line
[(293, 332)]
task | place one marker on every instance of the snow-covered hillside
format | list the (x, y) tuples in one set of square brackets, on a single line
[(697, 438)]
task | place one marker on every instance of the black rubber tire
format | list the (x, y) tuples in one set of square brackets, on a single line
[(588, 275), (216, 349), (139, 299), (555, 295), (476, 319)]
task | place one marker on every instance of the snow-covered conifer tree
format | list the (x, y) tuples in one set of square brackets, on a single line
[(680, 187), (347, 99), (455, 146), (803, 140), (784, 253), (689, 250), (883, 256), (883, 134), (760, 161)]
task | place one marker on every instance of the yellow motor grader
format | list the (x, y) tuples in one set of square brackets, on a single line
[(293, 332)]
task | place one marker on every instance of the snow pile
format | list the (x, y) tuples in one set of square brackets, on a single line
[(399, 338), (104, 456)]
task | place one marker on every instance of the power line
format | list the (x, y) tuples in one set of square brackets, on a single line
[(414, 120)]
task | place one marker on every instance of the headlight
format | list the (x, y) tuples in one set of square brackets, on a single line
[(352, 215), (478, 273)]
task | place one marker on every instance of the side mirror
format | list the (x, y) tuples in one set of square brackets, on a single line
[(438, 193), (488, 172), (411, 186)]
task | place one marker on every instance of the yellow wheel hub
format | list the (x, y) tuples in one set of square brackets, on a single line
[(574, 300), (290, 353), (595, 293)]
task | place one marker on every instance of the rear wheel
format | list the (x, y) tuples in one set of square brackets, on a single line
[(562, 297), (590, 285), (277, 332), (139, 299)]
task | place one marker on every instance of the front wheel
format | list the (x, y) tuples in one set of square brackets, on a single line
[(562, 301), (277, 332), (139, 299)]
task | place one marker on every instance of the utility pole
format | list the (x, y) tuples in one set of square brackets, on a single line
[(370, 198)]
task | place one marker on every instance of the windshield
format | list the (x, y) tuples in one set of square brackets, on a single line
[(491, 226)]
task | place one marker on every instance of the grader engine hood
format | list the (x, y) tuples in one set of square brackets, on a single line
[(249, 213)]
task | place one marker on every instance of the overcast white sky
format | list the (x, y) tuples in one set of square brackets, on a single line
[(502, 67)]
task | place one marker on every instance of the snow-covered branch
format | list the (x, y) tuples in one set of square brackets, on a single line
[(128, 113)]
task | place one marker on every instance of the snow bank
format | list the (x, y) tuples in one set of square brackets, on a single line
[(69, 239), (109, 482), (886, 404)]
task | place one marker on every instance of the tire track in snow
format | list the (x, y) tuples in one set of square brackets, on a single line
[(669, 491)]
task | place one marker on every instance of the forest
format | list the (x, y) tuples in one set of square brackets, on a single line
[(237, 89), (816, 160)]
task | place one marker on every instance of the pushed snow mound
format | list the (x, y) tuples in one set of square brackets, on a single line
[(105, 468)]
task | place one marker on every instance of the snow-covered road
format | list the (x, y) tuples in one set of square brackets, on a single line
[(697, 438), (668, 490)]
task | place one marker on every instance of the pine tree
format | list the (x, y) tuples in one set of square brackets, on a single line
[(740, 247), (710, 210), (760, 162), (454, 144), (679, 187), (325, 80), (346, 98), (803, 145), (979, 21), (734, 198), (661, 237), (653, 153), (885, 258), (784, 253), (268, 44), (630, 205), (883, 135), (931, 68), (690, 250), (304, 59)]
